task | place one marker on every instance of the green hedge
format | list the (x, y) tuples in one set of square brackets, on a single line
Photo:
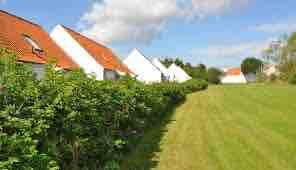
[(70, 121)]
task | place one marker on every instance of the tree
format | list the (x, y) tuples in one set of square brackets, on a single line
[(251, 65), (200, 72), (196, 72), (214, 75), (179, 62), (167, 62)]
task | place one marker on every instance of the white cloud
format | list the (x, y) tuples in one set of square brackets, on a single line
[(134, 20), (203, 8), (140, 21), (240, 50), (284, 27)]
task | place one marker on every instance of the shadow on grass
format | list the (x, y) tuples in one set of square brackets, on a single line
[(144, 153)]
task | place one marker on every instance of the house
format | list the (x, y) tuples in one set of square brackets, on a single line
[(91, 56), (177, 74), (162, 68), (143, 68), (32, 44), (233, 76)]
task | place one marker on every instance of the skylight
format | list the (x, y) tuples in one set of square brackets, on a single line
[(29, 40)]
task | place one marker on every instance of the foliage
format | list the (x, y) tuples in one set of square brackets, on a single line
[(292, 79), (283, 54), (197, 72), (273, 78), (71, 121), (169, 61), (214, 75), (251, 65), (261, 77)]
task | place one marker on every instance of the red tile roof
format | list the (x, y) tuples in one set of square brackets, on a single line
[(233, 72), (12, 31), (103, 55)]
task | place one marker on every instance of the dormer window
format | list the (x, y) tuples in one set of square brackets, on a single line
[(34, 45)]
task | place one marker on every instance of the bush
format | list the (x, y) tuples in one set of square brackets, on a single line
[(292, 79), (273, 78), (261, 77), (214, 75), (71, 121)]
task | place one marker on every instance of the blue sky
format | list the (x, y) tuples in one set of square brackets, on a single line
[(215, 32)]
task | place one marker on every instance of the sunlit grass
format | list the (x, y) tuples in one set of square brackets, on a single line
[(225, 128)]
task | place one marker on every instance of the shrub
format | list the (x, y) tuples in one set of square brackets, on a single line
[(194, 85), (71, 121), (292, 79), (261, 77), (273, 78), (214, 75)]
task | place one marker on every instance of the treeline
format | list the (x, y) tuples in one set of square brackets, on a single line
[(199, 72), (67, 120)]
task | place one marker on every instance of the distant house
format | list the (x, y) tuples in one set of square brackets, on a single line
[(164, 70), (32, 44), (233, 76), (177, 74), (143, 68), (91, 56)]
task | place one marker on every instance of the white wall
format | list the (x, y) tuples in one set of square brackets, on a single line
[(239, 79), (143, 68), (251, 77), (177, 74), (77, 53), (161, 67)]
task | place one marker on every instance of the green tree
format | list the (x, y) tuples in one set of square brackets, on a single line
[(251, 65), (200, 72), (214, 75), (167, 62)]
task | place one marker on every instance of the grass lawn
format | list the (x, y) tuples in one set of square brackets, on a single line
[(224, 128)]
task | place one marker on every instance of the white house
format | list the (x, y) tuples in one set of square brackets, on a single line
[(143, 68), (91, 56), (162, 68), (233, 76), (177, 74)]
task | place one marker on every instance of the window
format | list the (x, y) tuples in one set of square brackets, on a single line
[(29, 40), (110, 75)]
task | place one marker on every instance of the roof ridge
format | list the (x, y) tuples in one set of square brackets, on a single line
[(148, 59), (106, 51), (76, 32), (21, 18)]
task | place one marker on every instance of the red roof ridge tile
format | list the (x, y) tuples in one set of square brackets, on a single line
[(80, 34)]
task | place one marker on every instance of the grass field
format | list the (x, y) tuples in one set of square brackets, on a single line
[(224, 128)]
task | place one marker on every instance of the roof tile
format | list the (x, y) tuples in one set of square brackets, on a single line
[(103, 55), (11, 36), (234, 72)]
